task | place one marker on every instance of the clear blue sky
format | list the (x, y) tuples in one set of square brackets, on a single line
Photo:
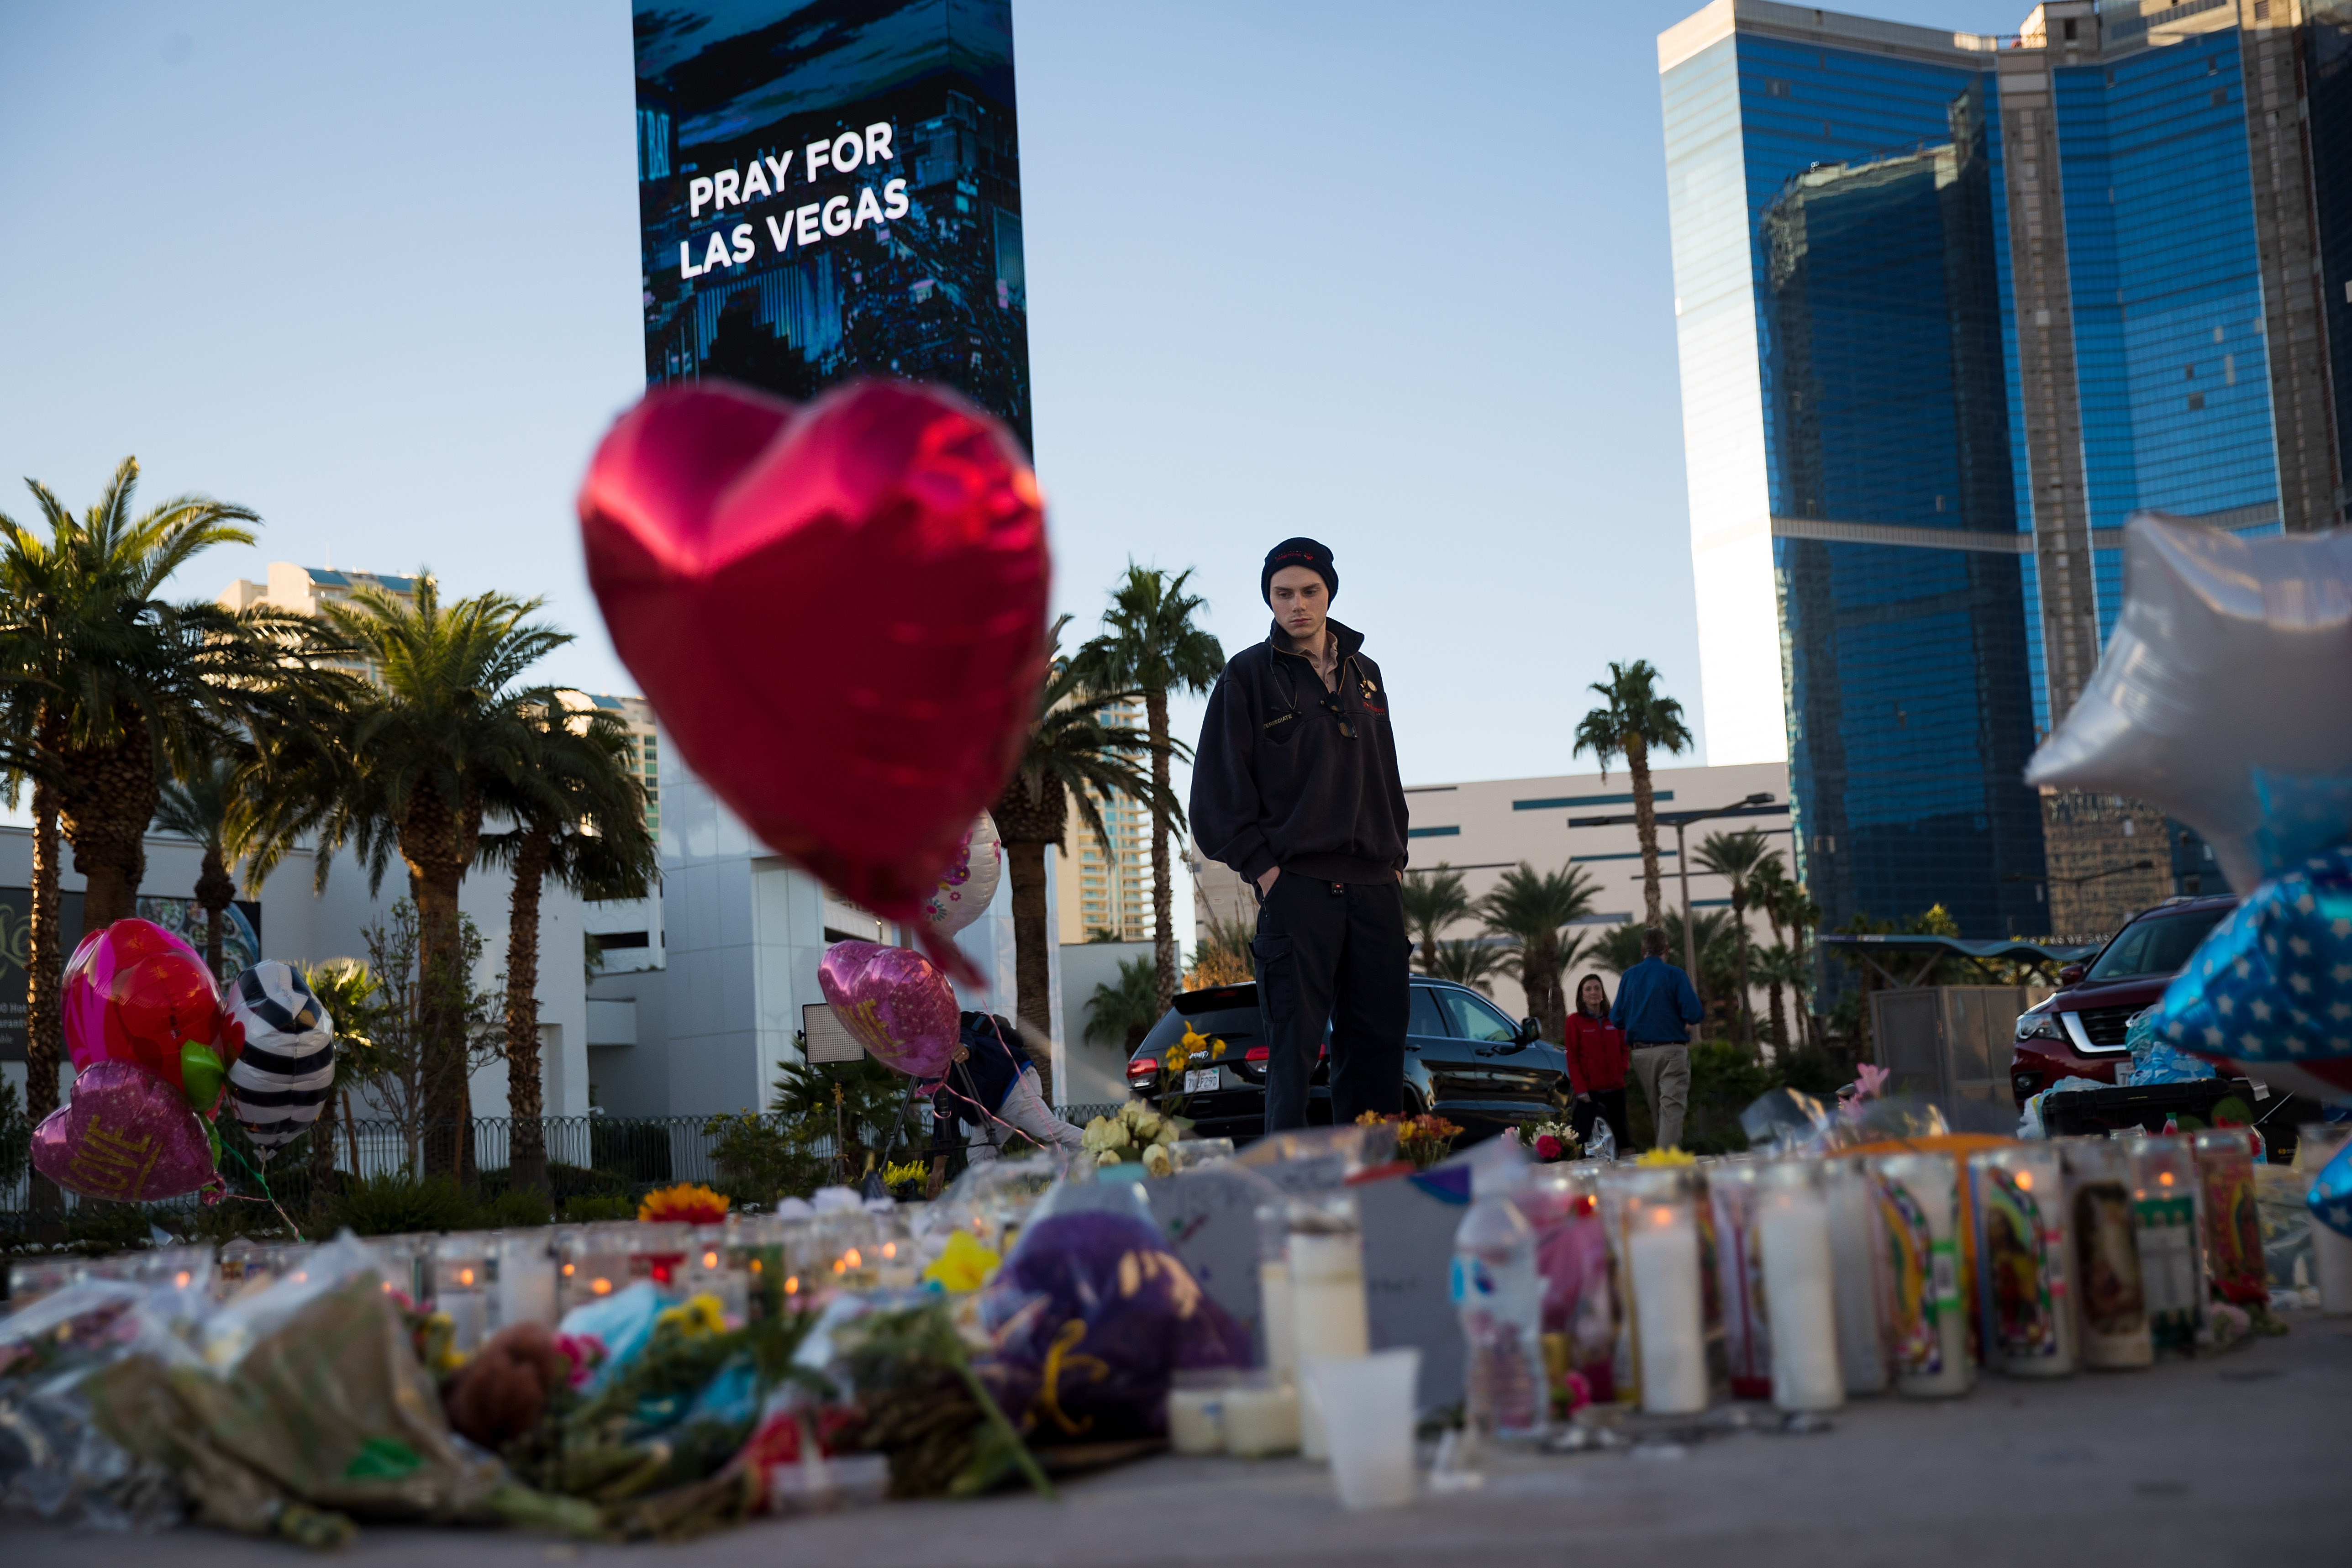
[(1396, 276)]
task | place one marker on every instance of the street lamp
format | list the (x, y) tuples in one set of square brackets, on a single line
[(1679, 820)]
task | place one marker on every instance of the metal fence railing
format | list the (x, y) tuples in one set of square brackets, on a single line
[(586, 1155)]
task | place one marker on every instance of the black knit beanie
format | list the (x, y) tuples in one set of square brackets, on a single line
[(1299, 553)]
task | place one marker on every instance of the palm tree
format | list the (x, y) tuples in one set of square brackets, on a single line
[(1123, 1011), (1635, 721), (1434, 900), (1797, 911), (1151, 645), (1782, 970), (101, 682), (196, 805), (581, 819), (1769, 885), (1532, 910), (1734, 857), (1071, 755), (1468, 963), (409, 767)]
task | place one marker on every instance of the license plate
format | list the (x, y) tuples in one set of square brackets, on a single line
[(1201, 1082)]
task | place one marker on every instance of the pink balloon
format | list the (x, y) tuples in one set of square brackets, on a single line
[(133, 991), (126, 1135), (892, 1002)]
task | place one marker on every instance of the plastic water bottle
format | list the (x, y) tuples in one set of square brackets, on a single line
[(1602, 1142), (1499, 1297)]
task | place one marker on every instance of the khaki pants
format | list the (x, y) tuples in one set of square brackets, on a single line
[(1664, 1073)]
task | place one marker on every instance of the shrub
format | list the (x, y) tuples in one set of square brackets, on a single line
[(640, 1154), (586, 1210), (521, 1210), (398, 1203), (759, 1157)]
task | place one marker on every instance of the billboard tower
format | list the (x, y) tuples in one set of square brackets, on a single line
[(831, 188)]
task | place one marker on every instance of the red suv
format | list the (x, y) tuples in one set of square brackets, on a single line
[(2078, 1031)]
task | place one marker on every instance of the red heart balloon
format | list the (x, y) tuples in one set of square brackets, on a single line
[(136, 993), (839, 611)]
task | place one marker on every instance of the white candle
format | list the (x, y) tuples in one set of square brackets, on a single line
[(1661, 1242), (1799, 1294), (526, 1283), (1274, 1315), (1327, 1313), (1196, 1420), (1855, 1254), (1260, 1419)]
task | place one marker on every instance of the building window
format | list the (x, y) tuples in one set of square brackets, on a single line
[(2196, 401)]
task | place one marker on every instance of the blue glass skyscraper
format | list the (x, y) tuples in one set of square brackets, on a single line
[(1950, 309)]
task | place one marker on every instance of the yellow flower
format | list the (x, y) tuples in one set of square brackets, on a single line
[(966, 1265), (695, 1316), (1665, 1157), (1216, 1049), (911, 1171), (687, 1203), (1155, 1160)]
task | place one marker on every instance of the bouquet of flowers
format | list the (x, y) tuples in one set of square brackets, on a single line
[(1552, 1142), (688, 1203), (1424, 1140), (1133, 1132)]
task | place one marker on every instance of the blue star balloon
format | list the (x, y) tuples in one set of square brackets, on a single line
[(2271, 986), (2331, 1193), (2223, 693)]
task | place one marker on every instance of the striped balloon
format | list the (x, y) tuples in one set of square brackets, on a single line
[(281, 1078)]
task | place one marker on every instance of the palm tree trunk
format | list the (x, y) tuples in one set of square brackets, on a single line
[(1805, 1035), (429, 843), (44, 1020), (527, 1162), (1646, 823), (1024, 862), (322, 1153), (214, 890), (1780, 1019), (1163, 920), (1744, 1014), (104, 811)]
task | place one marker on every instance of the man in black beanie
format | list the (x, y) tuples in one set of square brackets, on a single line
[(1294, 787)]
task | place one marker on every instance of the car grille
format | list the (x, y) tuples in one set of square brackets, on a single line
[(2105, 1025)]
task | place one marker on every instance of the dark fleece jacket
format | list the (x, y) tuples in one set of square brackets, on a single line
[(1275, 781)]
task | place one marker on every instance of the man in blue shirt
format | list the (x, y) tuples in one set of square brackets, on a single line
[(1655, 1008)]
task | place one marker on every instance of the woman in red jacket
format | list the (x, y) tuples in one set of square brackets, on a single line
[(1598, 1057)]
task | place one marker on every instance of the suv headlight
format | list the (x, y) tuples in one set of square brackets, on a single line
[(2040, 1026)]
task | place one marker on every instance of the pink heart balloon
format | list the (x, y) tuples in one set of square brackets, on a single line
[(894, 1002), (126, 1135), (839, 611)]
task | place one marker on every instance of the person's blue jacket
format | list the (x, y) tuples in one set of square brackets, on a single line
[(1655, 1004)]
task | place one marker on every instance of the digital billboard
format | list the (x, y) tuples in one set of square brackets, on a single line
[(829, 188)]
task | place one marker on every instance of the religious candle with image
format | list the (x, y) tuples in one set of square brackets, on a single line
[(2110, 1306), (2024, 1260), (2165, 1210), (1919, 1206)]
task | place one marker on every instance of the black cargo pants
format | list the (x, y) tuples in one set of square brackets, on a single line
[(1336, 952)]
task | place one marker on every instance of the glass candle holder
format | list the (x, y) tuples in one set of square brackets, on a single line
[(1277, 1328), (1260, 1416), (1731, 1200), (1327, 1311), (2166, 1216), (1919, 1210), (596, 1261), (1668, 1306), (2110, 1304), (1615, 1183), (463, 1286), (2024, 1259), (1196, 1409), (713, 1266), (2331, 1252), (522, 1265), (1857, 1254), (1793, 1231), (2233, 1227)]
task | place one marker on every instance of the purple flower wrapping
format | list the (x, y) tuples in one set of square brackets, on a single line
[(1089, 1318)]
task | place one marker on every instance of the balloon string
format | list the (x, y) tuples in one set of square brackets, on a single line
[(253, 1170)]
